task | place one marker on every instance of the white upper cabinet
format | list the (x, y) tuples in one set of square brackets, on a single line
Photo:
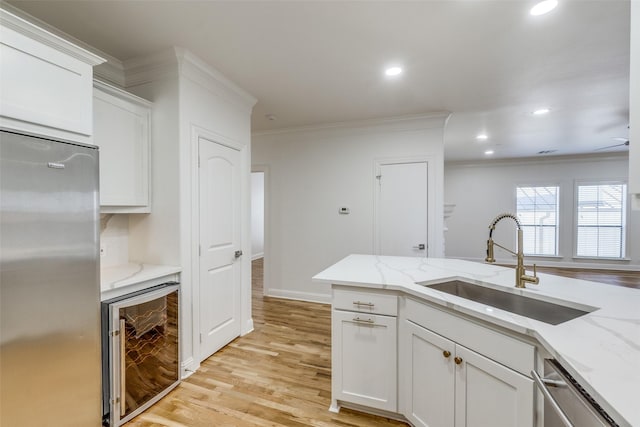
[(122, 125), (634, 107), (45, 81)]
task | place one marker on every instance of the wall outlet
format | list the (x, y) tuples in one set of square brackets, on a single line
[(103, 251)]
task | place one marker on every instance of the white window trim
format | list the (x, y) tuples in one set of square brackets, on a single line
[(609, 181)]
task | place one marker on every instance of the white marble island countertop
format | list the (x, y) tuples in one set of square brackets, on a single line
[(600, 349), (126, 278)]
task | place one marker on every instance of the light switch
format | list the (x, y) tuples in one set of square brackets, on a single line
[(343, 210)]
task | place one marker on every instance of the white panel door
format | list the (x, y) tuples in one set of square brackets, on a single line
[(401, 217), (490, 394), (220, 274), (427, 377), (364, 353)]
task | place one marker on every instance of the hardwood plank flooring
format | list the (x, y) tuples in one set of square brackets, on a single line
[(628, 279), (278, 375)]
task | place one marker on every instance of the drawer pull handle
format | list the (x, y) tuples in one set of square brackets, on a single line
[(365, 304), (359, 320), (458, 360), (446, 354)]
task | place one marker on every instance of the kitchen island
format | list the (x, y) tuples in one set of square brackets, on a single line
[(601, 349)]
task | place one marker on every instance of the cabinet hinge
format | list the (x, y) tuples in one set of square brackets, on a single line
[(199, 250), (115, 401), (201, 337), (114, 333)]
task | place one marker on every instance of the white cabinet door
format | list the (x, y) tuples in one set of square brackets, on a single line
[(490, 394), (364, 355), (45, 82), (426, 376), (122, 131)]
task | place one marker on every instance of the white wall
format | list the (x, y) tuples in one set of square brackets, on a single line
[(482, 190), (257, 215), (313, 172), (190, 99), (114, 240)]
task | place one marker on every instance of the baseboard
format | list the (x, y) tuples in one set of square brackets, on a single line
[(299, 296), (248, 328), (257, 256), (189, 367), (561, 264), (374, 411)]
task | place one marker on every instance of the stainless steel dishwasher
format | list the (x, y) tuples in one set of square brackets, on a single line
[(566, 403)]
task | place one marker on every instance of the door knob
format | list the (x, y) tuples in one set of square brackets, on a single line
[(238, 254), (421, 247)]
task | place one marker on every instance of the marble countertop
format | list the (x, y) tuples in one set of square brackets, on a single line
[(122, 279), (600, 349)]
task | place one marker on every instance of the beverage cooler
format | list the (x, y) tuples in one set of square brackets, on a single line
[(140, 351)]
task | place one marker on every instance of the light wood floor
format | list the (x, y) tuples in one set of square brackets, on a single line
[(278, 375)]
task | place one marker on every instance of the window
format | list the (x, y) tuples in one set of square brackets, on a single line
[(601, 220), (537, 210)]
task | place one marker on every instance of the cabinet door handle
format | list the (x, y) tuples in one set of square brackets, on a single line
[(366, 304), (458, 360), (123, 368), (359, 320), (446, 354)]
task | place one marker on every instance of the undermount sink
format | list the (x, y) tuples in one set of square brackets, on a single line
[(543, 311)]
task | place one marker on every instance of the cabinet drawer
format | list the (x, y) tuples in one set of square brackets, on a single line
[(509, 351), (369, 301)]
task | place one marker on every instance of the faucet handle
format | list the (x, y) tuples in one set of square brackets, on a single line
[(533, 279)]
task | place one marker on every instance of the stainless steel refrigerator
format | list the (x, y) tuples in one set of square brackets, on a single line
[(49, 283)]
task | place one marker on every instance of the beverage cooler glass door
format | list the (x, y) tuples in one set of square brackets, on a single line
[(145, 362)]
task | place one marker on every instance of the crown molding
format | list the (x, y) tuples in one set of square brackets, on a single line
[(177, 62), (29, 26), (149, 68), (575, 158), (414, 122), (111, 71), (194, 68)]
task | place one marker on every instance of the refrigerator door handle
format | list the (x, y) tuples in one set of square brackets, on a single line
[(123, 369)]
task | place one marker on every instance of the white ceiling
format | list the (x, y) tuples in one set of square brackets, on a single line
[(311, 62)]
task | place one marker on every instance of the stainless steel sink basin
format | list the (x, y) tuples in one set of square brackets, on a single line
[(543, 311)]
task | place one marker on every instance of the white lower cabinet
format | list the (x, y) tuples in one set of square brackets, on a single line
[(444, 384), (364, 360), (427, 376)]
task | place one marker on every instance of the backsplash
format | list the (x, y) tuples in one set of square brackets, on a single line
[(114, 240)]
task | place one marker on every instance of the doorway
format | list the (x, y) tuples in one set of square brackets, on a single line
[(257, 232), (401, 214), (220, 272)]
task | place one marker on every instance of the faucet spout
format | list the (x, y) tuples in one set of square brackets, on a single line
[(521, 276)]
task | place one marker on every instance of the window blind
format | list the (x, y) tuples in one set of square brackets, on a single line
[(601, 220)]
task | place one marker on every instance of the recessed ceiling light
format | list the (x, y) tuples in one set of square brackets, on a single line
[(488, 152), (482, 137), (271, 117), (393, 71), (543, 7), (541, 111)]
